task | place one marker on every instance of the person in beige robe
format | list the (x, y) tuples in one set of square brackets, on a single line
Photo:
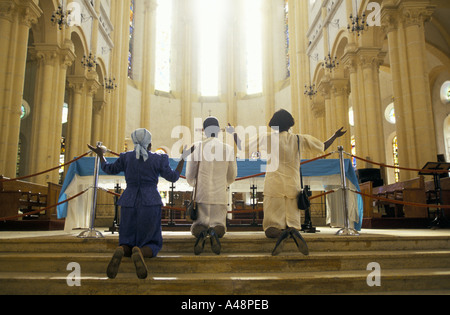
[(282, 218)]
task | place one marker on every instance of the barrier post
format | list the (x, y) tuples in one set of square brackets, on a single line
[(91, 232), (346, 230)]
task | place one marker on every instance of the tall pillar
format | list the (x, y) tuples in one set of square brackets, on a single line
[(404, 25), (231, 80), (268, 76), (300, 70), (340, 93), (74, 132), (370, 62), (119, 66), (16, 18), (47, 113), (148, 87), (186, 81), (92, 87)]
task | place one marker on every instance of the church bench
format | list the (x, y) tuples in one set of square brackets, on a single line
[(445, 193), (23, 196), (408, 191), (368, 203)]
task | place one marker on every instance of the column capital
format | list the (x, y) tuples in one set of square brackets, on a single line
[(324, 87), (27, 11), (92, 86), (150, 5), (416, 13), (369, 57), (76, 83), (340, 87), (406, 12)]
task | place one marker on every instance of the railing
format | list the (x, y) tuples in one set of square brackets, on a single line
[(346, 230)]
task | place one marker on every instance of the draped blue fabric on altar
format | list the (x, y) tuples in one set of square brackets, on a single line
[(324, 167)]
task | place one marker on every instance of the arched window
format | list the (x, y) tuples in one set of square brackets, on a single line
[(163, 45)]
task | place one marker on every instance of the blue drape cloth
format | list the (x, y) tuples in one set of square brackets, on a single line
[(324, 167)]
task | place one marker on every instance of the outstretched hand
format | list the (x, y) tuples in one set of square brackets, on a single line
[(230, 129), (188, 152), (99, 150), (340, 133)]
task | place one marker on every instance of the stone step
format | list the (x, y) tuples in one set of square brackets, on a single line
[(393, 280), (231, 243), (229, 263)]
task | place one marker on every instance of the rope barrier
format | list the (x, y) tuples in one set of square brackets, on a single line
[(407, 203), (398, 167), (44, 209), (43, 172)]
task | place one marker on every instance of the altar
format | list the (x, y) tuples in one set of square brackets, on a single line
[(320, 175)]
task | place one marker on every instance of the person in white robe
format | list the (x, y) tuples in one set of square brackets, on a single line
[(212, 167)]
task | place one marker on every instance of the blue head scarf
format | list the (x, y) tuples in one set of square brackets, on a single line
[(141, 139)]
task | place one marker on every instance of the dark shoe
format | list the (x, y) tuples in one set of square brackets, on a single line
[(215, 243), (139, 263), (200, 243), (113, 266), (299, 241), (280, 243)]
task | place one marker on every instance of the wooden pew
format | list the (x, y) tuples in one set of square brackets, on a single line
[(368, 203), (409, 191), (25, 197), (445, 191)]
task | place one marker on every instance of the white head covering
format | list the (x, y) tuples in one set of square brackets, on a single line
[(141, 138)]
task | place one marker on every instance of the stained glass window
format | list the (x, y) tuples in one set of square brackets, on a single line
[(445, 93), (163, 45), (253, 27), (353, 151), (286, 23), (395, 155), (131, 34)]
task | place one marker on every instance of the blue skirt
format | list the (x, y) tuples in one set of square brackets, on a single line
[(141, 226)]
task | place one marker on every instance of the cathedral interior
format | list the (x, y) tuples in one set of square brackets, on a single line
[(77, 72)]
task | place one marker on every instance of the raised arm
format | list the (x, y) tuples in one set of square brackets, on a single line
[(337, 134), (184, 155)]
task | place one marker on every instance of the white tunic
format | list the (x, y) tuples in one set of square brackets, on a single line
[(217, 170)]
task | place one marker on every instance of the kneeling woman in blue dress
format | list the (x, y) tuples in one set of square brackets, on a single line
[(140, 217)]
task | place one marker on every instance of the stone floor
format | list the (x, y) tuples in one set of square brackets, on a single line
[(322, 231)]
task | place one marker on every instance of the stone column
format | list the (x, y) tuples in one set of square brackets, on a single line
[(148, 86), (340, 93), (370, 62), (119, 66), (92, 87), (186, 81), (48, 103), (75, 130), (16, 18), (268, 76), (404, 25)]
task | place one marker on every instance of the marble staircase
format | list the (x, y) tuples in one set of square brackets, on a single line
[(336, 265)]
